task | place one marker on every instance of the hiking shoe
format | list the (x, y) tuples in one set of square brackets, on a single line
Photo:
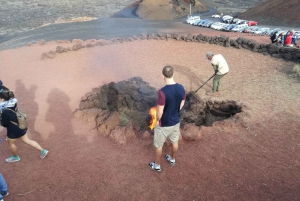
[(170, 160), (152, 166), (44, 153), (13, 159), (5, 193), (210, 93)]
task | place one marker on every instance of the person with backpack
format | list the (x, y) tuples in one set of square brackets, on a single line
[(280, 39), (274, 37), (13, 121)]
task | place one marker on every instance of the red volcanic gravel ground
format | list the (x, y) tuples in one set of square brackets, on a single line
[(255, 156)]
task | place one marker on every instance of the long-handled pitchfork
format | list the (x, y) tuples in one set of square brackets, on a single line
[(204, 84)]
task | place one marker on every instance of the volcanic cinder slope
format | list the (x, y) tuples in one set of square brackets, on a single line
[(227, 6), (167, 9), (275, 12)]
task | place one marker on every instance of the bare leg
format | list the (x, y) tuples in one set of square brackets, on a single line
[(158, 153), (32, 143), (12, 146), (174, 150)]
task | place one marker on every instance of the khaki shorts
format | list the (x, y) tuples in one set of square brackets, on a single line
[(162, 133)]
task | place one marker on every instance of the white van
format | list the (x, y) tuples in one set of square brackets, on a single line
[(193, 19)]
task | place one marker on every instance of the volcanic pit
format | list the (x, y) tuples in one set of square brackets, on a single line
[(121, 110)]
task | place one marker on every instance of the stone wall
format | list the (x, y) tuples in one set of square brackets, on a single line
[(273, 50), (288, 53)]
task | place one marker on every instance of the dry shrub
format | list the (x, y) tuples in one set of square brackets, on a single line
[(296, 70)]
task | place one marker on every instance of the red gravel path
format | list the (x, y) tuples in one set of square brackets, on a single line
[(255, 157)]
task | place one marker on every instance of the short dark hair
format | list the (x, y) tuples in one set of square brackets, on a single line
[(168, 71)]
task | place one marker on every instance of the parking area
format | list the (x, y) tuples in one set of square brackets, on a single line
[(231, 24)]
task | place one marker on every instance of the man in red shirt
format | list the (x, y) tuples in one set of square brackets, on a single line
[(171, 99)]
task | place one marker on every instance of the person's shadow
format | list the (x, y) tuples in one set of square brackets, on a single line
[(26, 101), (59, 114)]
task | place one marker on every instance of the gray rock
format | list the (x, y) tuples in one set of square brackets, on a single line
[(273, 49), (146, 90), (287, 56), (50, 55), (240, 40), (226, 44), (234, 43), (189, 38), (245, 46), (77, 47), (60, 49), (223, 38), (143, 36), (276, 55), (90, 45), (151, 36)]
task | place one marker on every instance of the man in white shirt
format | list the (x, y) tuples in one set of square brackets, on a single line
[(221, 68)]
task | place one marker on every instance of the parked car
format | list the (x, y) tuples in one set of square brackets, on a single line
[(207, 24), (255, 29), (218, 26), (240, 28), (227, 18), (250, 29), (266, 31), (243, 22), (252, 23), (229, 27), (216, 16), (261, 31), (192, 19), (215, 24), (201, 22), (235, 20), (195, 23)]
